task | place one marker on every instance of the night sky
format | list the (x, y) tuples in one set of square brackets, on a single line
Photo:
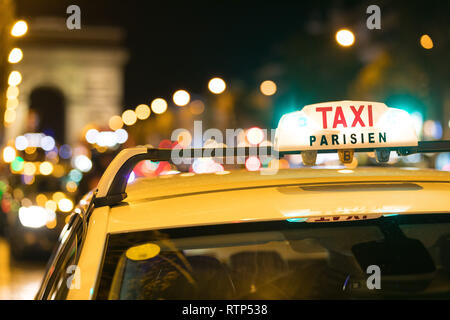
[(178, 44), (183, 44)]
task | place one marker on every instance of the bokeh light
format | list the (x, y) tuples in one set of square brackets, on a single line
[(10, 116), (29, 168), (34, 216), (51, 224), (106, 139), (71, 186), (18, 193), (443, 161), (58, 171), (115, 122), (129, 117), (47, 143), (426, 42), (196, 107), (268, 88), (121, 135), (159, 105), (30, 150), (9, 154), (15, 55), (25, 202), (15, 78), (17, 164), (65, 205), (253, 163), (91, 136), (46, 168), (41, 199), (21, 143), (432, 129), (65, 151), (206, 165), (12, 92), (216, 85), (58, 195), (142, 112), (75, 175), (255, 135), (82, 163), (51, 205), (345, 37), (19, 28), (12, 103), (181, 98)]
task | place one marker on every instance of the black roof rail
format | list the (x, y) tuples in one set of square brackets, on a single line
[(112, 185)]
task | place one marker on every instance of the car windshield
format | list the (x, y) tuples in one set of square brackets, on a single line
[(396, 256)]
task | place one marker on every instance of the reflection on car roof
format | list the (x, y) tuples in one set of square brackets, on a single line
[(188, 183)]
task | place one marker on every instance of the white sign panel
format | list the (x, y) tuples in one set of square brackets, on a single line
[(345, 125)]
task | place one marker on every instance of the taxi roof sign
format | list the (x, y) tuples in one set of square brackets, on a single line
[(345, 125)]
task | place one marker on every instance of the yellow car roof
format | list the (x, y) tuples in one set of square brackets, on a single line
[(187, 183), (242, 196)]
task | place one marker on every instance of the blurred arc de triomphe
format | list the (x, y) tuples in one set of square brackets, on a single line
[(83, 68)]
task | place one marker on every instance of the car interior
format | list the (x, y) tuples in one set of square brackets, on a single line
[(300, 265)]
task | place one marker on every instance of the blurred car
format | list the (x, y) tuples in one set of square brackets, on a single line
[(309, 233), (39, 194), (35, 220)]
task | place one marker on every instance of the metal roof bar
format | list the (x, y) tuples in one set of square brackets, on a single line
[(112, 185)]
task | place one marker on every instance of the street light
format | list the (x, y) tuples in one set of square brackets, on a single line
[(345, 37), (115, 122), (268, 88), (142, 111), (10, 116), (129, 117), (12, 103), (19, 28), (15, 78), (15, 55), (12, 92), (181, 98), (426, 42), (159, 105), (217, 85)]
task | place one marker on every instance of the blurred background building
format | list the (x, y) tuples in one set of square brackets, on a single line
[(69, 79)]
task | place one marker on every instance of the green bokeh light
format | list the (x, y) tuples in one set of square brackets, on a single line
[(17, 164)]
